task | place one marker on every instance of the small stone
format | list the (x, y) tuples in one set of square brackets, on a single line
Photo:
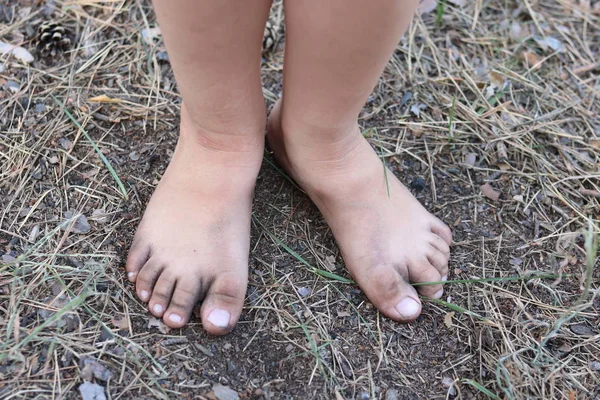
[(448, 383), (595, 365), (162, 56), (65, 143), (364, 396), (488, 191), (134, 156), (470, 159), (417, 184), (12, 86), (516, 261), (33, 234), (224, 393), (304, 291), (391, 394), (91, 391), (81, 225), (98, 370), (231, 367), (582, 330), (7, 258), (40, 108)]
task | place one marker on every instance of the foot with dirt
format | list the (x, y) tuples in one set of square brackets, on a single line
[(387, 239), (193, 242)]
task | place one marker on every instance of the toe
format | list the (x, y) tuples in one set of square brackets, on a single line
[(421, 271), (185, 296), (439, 260), (222, 306), (146, 279), (440, 244), (442, 230), (161, 294), (137, 257), (390, 293)]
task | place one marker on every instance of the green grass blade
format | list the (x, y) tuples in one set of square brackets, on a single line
[(482, 389), (385, 172), (95, 146), (455, 307)]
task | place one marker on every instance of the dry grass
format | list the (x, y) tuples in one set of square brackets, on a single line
[(474, 94)]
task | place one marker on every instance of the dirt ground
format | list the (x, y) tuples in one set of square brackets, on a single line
[(488, 111)]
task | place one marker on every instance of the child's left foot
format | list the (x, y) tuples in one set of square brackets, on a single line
[(387, 240)]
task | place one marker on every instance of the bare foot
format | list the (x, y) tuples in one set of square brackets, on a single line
[(387, 242), (193, 241)]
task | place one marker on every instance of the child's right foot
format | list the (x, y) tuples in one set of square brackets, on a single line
[(193, 241)]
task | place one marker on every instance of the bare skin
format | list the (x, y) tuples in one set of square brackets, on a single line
[(193, 242), (387, 242), (331, 66)]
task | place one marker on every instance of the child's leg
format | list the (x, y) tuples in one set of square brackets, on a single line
[(335, 51), (193, 241)]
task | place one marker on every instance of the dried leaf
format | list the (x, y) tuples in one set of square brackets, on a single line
[(157, 323), (448, 319), (121, 323), (330, 263), (488, 191), (426, 6), (103, 99), (497, 79), (342, 314), (532, 60)]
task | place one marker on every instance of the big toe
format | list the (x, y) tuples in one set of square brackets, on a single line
[(390, 292), (222, 306)]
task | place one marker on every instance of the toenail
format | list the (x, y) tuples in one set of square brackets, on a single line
[(144, 294), (219, 318), (438, 294), (175, 318), (131, 275), (407, 308), (158, 308), (445, 278)]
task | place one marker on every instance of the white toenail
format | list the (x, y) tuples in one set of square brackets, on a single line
[(219, 318), (157, 308), (131, 274), (438, 294), (144, 294), (408, 308), (445, 278), (175, 318)]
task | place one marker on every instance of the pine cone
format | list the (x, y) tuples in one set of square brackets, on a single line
[(270, 37), (52, 38)]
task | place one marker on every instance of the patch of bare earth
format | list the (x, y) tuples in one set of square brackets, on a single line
[(489, 111)]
